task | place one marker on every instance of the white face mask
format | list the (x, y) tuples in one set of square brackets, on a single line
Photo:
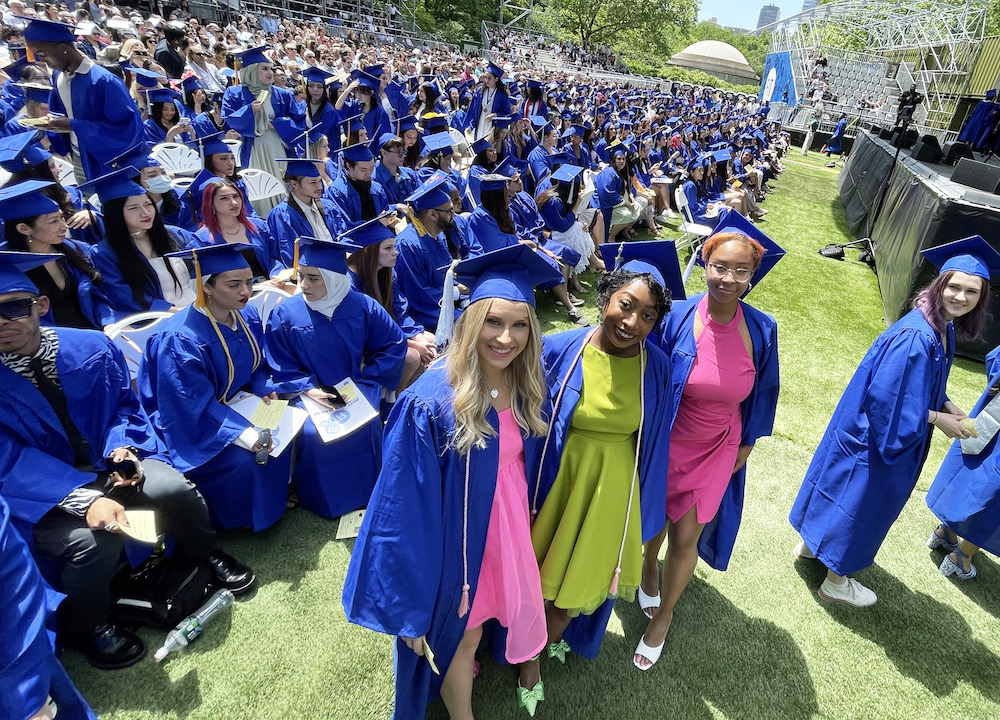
[(159, 184)]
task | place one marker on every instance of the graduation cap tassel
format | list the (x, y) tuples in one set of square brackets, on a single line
[(295, 258), (446, 316), (463, 606)]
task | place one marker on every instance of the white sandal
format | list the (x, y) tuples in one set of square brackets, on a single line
[(649, 653), (647, 602)]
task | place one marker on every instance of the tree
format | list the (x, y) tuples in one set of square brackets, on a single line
[(600, 22)]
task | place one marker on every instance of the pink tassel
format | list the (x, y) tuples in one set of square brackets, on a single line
[(614, 582), (463, 607)]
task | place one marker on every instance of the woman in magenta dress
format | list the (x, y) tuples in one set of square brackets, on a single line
[(724, 360)]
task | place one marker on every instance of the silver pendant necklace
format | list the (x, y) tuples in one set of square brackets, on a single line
[(494, 393)]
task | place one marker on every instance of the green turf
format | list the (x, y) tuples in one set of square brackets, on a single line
[(754, 642)]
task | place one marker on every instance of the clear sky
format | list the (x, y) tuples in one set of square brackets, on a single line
[(743, 13)]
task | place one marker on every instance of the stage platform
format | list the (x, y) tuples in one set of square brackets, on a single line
[(921, 208)]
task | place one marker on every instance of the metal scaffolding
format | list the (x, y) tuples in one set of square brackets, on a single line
[(878, 48)]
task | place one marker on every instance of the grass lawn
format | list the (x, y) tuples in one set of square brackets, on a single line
[(754, 642)]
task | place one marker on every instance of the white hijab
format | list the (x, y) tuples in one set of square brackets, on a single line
[(337, 287)]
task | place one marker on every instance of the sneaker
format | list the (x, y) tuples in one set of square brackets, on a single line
[(850, 593), (669, 214)]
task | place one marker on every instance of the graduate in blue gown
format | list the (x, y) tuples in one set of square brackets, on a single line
[(355, 196), (397, 181), (320, 114), (174, 207), (489, 100), (870, 456), (965, 494), (201, 358), (315, 340), (415, 569), (440, 156), (132, 259), (364, 88), (30, 674), (103, 121), (166, 122), (304, 212)]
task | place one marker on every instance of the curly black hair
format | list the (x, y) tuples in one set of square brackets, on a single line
[(614, 280)]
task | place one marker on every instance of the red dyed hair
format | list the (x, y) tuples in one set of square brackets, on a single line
[(714, 242), (208, 209)]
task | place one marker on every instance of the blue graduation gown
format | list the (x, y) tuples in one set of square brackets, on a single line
[(538, 164), (529, 224), (400, 307), (414, 588), (347, 203), (485, 228), (556, 215), (418, 269), (203, 124), (117, 291), (965, 494), (265, 247), (181, 378), (185, 217), (105, 119), (875, 445), (757, 411), (585, 632), (306, 349), (33, 444), (287, 113), (376, 120), (398, 188), (154, 134), (29, 670), (286, 223), (836, 141), (501, 108), (698, 205)]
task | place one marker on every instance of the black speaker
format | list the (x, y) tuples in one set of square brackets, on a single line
[(978, 175), (927, 150), (908, 141), (953, 150), (886, 133)]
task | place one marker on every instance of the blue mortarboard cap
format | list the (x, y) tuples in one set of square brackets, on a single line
[(369, 81), (510, 273), (538, 121), (252, 56), (325, 254), (438, 142), (228, 72), (114, 185), (146, 78), (503, 121), (15, 68), (493, 181), (660, 255), (375, 70), (971, 255), (161, 95), (35, 92), (192, 83), (568, 132), (403, 124), (370, 231), (694, 163), (617, 147), (26, 200), (316, 75), (533, 83), (722, 156), (47, 31), (481, 145), (210, 144), (359, 152), (138, 156), (21, 150), (494, 69), (215, 259), (567, 173), (435, 120), (731, 221), (508, 168), (301, 167), (431, 194), (13, 265), (383, 140)]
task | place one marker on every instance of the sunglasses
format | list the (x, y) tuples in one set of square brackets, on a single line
[(17, 309)]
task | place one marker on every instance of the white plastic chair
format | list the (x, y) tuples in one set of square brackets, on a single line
[(694, 233), (234, 146), (130, 336), (66, 177), (265, 300), (177, 158), (261, 185)]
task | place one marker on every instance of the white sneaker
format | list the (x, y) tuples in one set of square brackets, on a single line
[(669, 214), (850, 593)]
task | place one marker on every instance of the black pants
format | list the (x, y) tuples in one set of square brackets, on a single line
[(89, 558)]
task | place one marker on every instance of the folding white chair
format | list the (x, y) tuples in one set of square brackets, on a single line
[(234, 146), (65, 175), (177, 158), (694, 233), (130, 336), (261, 185), (265, 298)]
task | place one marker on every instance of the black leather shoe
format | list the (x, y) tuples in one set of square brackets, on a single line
[(229, 572), (108, 647)]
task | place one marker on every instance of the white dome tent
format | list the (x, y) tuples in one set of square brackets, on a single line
[(716, 58)]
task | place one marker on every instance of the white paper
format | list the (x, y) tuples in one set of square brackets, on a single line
[(291, 423), (338, 423), (350, 525)]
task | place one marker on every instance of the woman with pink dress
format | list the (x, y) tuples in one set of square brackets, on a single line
[(724, 367), (445, 545)]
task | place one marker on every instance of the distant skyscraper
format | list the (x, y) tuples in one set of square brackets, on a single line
[(809, 4), (768, 15)]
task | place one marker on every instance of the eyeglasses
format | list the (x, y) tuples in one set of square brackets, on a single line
[(17, 309), (740, 275), (450, 209)]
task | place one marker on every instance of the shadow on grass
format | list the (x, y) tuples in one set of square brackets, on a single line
[(718, 662), (925, 639), (156, 692)]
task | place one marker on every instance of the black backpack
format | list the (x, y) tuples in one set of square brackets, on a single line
[(160, 592)]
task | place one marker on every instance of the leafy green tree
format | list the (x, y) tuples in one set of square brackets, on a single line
[(601, 22)]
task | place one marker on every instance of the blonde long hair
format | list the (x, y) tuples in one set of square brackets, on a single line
[(472, 399)]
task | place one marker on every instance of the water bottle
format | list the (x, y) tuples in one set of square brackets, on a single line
[(190, 627)]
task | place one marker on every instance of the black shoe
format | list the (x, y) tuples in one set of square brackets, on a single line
[(229, 572), (108, 647)]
